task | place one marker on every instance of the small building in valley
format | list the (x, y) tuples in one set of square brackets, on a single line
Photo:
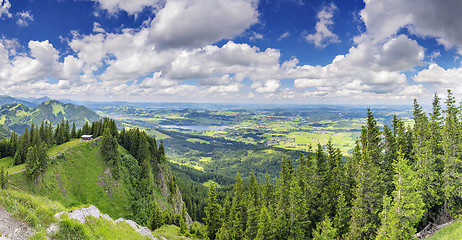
[(87, 137)]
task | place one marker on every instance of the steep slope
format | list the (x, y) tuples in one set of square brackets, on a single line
[(79, 175), (18, 117), (5, 99)]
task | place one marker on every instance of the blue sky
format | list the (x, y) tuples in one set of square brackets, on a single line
[(253, 51)]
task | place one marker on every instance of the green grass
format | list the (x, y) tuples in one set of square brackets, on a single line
[(453, 231), (39, 213), (171, 232), (57, 108), (156, 134), (80, 176), (6, 162), (16, 168), (55, 149), (197, 140), (96, 228)]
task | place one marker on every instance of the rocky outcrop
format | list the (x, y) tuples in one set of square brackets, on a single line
[(82, 213), (173, 194)]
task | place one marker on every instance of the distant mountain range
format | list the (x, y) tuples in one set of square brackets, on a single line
[(18, 116), (5, 99)]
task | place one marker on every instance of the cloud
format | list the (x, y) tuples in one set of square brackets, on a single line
[(369, 68), (324, 35), (240, 59), (131, 7), (427, 18), (254, 36), (97, 28), (24, 18), (268, 86), (440, 78), (196, 23), (284, 35), (5, 6)]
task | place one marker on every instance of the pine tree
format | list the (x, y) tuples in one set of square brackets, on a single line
[(265, 226), (32, 162), (157, 216), (5, 180), (370, 188), (213, 212), (452, 143), (407, 207), (268, 192), (109, 151), (74, 131), (342, 215), (253, 196), (2, 178), (238, 210), (23, 146), (324, 230), (425, 160), (13, 143), (42, 156), (386, 227), (183, 227), (252, 222)]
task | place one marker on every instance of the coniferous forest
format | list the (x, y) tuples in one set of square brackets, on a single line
[(398, 179)]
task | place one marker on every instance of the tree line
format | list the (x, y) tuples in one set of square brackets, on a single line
[(397, 180), (31, 146)]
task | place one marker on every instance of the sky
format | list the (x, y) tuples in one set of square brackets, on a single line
[(232, 51)]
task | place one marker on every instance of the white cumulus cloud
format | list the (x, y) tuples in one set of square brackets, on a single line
[(324, 35), (24, 18), (195, 23), (5, 6)]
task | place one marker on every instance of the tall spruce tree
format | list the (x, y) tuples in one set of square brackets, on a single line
[(369, 189), (213, 214), (452, 146), (109, 151), (265, 225), (425, 161), (399, 219)]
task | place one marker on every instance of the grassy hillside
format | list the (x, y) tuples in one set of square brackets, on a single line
[(39, 213), (18, 116), (79, 176)]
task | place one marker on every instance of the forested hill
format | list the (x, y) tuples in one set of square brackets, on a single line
[(18, 117), (398, 180)]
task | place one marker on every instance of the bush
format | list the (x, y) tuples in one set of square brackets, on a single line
[(72, 229)]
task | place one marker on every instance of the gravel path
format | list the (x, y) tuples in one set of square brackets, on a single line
[(11, 228)]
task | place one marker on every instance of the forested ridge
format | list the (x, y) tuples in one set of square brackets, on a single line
[(398, 179), (131, 155)]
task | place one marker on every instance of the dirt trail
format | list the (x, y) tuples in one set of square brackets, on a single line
[(22, 170), (13, 229)]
